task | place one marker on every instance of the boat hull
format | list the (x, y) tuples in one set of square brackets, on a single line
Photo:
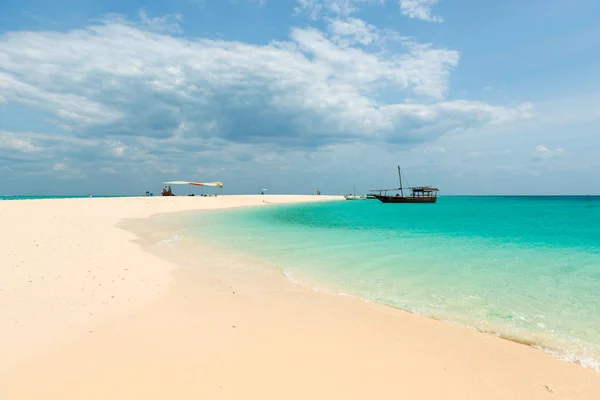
[(355, 197), (404, 199)]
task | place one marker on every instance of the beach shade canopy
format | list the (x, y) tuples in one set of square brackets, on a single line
[(217, 184)]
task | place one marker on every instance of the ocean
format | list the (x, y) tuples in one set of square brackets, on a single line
[(524, 268)]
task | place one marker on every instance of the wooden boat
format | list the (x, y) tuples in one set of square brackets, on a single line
[(418, 194)]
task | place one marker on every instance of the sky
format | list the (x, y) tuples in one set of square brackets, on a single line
[(474, 97)]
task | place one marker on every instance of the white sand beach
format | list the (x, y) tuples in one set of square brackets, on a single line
[(86, 312)]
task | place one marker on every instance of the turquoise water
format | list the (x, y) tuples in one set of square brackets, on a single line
[(526, 268)]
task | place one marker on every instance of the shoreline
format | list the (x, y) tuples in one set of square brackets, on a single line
[(327, 288), (186, 330)]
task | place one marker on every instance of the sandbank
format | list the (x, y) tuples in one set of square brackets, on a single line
[(87, 312)]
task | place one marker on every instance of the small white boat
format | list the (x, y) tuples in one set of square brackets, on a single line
[(353, 196)]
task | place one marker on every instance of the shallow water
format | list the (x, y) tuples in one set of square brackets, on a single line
[(526, 268)]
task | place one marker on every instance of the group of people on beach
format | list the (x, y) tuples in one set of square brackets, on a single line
[(167, 191)]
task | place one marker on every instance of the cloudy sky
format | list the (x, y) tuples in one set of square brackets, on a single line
[(476, 97)]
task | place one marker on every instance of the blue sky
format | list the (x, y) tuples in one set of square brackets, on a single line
[(476, 97)]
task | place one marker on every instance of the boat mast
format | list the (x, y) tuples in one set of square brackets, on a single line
[(400, 179)]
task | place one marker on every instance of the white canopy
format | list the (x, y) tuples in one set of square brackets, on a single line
[(218, 184)]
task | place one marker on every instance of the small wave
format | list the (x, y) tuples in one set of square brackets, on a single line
[(578, 357), (311, 285), (573, 358), (437, 305), (290, 277), (170, 241)]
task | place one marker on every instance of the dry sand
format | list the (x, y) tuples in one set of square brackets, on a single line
[(87, 313)]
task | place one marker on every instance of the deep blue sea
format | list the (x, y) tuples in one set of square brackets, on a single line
[(525, 268)]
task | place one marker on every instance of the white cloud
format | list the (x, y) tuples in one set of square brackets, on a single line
[(161, 81), (117, 148), (58, 167), (343, 8), (311, 7), (347, 7), (544, 153), (422, 69), (352, 30), (137, 100), (170, 23), (419, 9), (72, 108), (167, 23), (13, 141)]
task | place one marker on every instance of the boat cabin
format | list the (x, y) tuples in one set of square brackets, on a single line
[(424, 191)]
